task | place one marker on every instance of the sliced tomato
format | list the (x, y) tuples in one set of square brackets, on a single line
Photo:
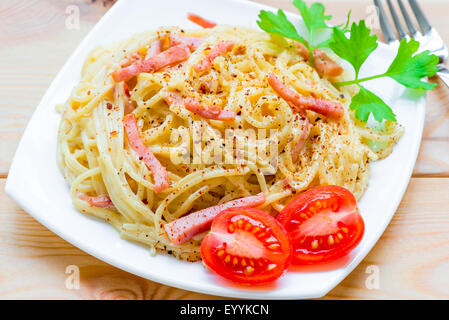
[(323, 223), (247, 246)]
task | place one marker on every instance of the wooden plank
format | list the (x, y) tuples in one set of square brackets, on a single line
[(412, 257), (35, 45)]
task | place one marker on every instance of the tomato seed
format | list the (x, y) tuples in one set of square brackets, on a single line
[(249, 270), (271, 266)]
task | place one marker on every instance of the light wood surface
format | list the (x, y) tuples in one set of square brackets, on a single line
[(412, 257)]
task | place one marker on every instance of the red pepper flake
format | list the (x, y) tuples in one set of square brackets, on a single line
[(126, 88), (109, 106)]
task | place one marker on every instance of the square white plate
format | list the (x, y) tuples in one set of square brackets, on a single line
[(36, 184)]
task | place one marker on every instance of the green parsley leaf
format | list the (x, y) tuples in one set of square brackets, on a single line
[(365, 102), (313, 17), (408, 70), (278, 24), (357, 48)]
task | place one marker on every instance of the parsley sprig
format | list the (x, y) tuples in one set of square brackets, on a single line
[(408, 68), (314, 19)]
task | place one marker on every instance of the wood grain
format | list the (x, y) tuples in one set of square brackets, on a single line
[(35, 45), (412, 256)]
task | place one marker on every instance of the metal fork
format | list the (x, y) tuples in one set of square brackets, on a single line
[(428, 38)]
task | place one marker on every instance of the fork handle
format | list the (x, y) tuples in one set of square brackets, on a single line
[(443, 73)]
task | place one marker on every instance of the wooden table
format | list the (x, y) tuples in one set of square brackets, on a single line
[(412, 257)]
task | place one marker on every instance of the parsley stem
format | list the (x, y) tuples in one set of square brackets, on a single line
[(357, 81), (311, 59), (310, 48)]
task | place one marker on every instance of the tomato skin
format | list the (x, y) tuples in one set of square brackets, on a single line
[(325, 231), (265, 265)]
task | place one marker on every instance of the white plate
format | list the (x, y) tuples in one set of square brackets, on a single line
[(36, 184)]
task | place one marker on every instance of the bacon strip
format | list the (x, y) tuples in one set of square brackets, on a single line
[(184, 228), (296, 150), (154, 49), (132, 58), (193, 105), (159, 172), (302, 50), (220, 49), (299, 102), (173, 98), (323, 64), (200, 21), (170, 56), (208, 112), (102, 201), (192, 42)]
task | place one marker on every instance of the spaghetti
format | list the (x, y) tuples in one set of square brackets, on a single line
[(169, 122)]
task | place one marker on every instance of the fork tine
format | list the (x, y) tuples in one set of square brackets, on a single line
[(411, 27), (401, 31), (419, 14), (387, 30)]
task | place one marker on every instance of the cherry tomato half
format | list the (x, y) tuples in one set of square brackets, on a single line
[(323, 223), (247, 246)]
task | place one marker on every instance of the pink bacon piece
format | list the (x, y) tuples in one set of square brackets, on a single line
[(193, 105), (132, 58), (184, 228), (159, 172), (200, 21), (102, 201), (208, 112), (173, 98), (192, 42), (220, 49), (154, 49), (168, 57), (323, 64), (299, 102), (296, 150)]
